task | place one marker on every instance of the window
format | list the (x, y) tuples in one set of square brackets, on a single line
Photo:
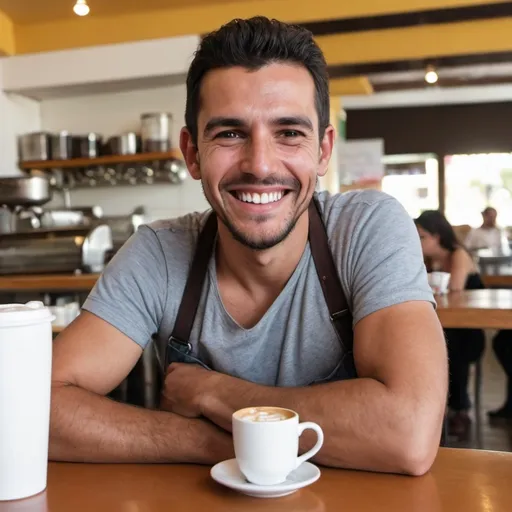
[(473, 182), (413, 180)]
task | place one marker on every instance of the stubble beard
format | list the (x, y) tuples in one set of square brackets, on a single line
[(260, 244)]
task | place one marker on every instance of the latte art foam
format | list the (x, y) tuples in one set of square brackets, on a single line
[(264, 414)]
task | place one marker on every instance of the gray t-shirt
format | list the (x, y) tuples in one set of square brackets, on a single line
[(373, 241)]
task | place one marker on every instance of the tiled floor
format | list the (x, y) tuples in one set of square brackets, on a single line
[(498, 434)]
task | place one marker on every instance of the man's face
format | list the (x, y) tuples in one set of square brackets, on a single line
[(489, 217), (258, 154)]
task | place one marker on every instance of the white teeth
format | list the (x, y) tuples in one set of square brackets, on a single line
[(264, 198)]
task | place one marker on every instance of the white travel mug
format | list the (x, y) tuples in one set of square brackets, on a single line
[(25, 386)]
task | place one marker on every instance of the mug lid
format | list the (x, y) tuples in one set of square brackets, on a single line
[(33, 312)]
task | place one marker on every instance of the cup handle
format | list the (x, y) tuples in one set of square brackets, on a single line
[(319, 442)]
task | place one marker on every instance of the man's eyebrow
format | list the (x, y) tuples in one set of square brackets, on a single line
[(219, 122), (303, 121)]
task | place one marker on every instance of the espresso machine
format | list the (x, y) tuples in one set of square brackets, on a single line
[(28, 245)]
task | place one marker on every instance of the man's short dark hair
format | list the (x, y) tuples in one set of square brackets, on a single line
[(252, 44)]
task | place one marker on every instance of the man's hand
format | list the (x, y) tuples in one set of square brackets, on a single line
[(186, 389), (388, 419), (192, 391)]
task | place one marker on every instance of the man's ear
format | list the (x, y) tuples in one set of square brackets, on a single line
[(190, 154), (326, 147)]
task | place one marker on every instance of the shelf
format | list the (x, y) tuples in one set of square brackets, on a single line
[(102, 160), (48, 282)]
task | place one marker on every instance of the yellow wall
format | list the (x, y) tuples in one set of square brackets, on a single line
[(79, 32), (352, 48), (350, 85), (7, 45), (470, 37)]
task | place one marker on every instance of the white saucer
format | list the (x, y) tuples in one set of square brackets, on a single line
[(227, 473)]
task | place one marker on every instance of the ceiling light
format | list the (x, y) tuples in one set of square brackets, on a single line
[(81, 8), (431, 76)]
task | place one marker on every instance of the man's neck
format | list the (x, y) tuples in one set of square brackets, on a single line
[(256, 270)]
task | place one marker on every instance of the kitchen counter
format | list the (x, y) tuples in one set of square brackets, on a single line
[(48, 283)]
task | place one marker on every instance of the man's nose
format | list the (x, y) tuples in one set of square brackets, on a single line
[(259, 157)]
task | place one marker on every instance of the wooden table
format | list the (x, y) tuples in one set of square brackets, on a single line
[(476, 309), (497, 280), (479, 309), (461, 480), (48, 283)]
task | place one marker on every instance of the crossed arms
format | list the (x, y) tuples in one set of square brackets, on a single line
[(389, 419)]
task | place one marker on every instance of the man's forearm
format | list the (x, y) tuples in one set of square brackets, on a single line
[(87, 427), (366, 426)]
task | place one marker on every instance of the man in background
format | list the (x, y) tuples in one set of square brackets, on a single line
[(488, 235)]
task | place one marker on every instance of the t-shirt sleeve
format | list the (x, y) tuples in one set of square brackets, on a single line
[(387, 265), (131, 292)]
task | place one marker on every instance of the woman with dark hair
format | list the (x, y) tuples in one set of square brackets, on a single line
[(443, 252)]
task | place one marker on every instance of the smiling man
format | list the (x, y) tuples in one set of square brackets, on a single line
[(277, 296)]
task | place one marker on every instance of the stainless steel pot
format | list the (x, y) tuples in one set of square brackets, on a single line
[(125, 144), (61, 146), (176, 171), (34, 146), (156, 131), (87, 146), (24, 191)]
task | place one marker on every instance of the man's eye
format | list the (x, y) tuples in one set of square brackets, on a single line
[(227, 135), (290, 133)]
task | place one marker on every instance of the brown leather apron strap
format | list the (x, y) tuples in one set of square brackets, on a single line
[(194, 286), (335, 299), (331, 286)]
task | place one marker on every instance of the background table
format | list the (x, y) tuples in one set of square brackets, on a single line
[(461, 480), (476, 309), (48, 283), (500, 280)]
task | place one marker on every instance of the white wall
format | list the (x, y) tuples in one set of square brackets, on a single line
[(17, 115), (113, 113), (39, 74)]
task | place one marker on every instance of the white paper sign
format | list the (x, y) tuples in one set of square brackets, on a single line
[(360, 160)]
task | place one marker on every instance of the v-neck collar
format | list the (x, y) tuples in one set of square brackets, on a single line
[(212, 272)]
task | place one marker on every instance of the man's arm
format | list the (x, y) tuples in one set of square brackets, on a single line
[(90, 358), (389, 419)]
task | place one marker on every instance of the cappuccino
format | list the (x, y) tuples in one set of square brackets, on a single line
[(266, 442), (264, 414)]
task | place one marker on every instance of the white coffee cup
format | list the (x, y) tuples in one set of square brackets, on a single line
[(25, 384), (439, 282), (266, 441)]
